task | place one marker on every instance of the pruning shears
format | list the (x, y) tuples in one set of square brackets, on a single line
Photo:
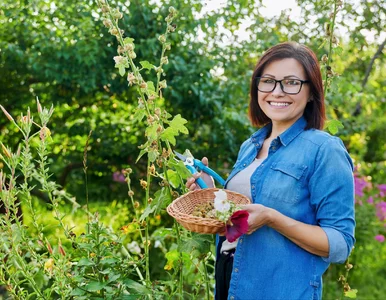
[(194, 165)]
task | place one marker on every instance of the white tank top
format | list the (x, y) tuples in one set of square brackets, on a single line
[(241, 183)]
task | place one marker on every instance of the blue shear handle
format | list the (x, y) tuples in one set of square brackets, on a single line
[(209, 171), (199, 181)]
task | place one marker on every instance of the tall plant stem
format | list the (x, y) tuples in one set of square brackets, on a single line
[(148, 180), (332, 26)]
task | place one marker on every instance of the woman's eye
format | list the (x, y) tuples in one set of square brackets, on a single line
[(292, 82), (267, 80)]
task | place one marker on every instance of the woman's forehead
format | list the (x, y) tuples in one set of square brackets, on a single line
[(283, 68)]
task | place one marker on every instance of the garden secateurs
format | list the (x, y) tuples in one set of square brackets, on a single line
[(194, 165)]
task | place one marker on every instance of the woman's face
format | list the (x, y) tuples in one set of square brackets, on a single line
[(284, 109)]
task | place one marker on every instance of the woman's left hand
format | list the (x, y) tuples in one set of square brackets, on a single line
[(258, 216)]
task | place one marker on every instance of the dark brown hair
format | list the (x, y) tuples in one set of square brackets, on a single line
[(315, 110)]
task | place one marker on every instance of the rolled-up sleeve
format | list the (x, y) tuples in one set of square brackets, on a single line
[(332, 195)]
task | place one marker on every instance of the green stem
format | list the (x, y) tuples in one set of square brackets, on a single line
[(148, 180), (330, 47), (206, 276)]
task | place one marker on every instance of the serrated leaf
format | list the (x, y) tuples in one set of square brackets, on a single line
[(333, 126), (169, 135), (138, 115), (173, 178), (178, 124), (174, 256), (199, 242), (150, 87), (128, 41), (180, 168), (146, 65), (351, 293)]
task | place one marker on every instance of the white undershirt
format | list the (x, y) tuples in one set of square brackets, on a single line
[(241, 183)]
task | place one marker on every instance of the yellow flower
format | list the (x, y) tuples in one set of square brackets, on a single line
[(49, 265)]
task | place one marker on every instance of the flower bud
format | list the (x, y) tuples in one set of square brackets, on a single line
[(162, 38), (171, 28), (105, 9), (49, 264), (143, 85), (39, 106), (107, 23), (172, 10), (159, 129), (6, 152), (114, 31), (150, 119), (129, 47), (162, 84), (130, 193), (152, 169), (349, 266), (9, 117), (324, 58), (164, 60), (132, 54), (150, 200), (143, 184), (168, 46), (136, 204)]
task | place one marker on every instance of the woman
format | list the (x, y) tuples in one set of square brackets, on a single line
[(300, 181)]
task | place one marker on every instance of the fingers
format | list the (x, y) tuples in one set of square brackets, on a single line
[(205, 161), (191, 182)]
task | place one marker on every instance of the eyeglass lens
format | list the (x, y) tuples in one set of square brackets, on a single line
[(290, 86)]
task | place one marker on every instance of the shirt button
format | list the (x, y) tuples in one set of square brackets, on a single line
[(232, 298), (273, 148), (257, 145), (253, 187), (244, 165), (236, 270)]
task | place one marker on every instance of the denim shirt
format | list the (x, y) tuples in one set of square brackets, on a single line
[(307, 176)]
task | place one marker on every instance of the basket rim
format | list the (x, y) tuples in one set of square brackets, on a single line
[(188, 217)]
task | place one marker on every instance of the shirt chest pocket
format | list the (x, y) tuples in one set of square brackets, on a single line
[(284, 182)]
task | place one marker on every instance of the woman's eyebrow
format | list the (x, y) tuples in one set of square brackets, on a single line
[(273, 76)]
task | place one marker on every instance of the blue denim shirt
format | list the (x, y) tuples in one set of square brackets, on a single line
[(307, 176)]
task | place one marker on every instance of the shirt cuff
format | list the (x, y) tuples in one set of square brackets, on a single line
[(338, 251)]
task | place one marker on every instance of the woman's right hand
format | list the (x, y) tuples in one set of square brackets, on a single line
[(191, 181)]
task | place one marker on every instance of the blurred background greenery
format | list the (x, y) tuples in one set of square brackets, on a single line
[(60, 52)]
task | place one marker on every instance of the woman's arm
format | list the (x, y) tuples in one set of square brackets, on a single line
[(309, 237)]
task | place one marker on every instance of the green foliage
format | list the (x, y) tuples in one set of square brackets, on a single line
[(62, 53)]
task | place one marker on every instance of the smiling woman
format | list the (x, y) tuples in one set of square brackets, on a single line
[(300, 181)]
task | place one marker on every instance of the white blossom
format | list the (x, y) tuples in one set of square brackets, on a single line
[(221, 202), (133, 247)]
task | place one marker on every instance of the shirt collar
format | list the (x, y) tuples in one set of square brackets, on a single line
[(286, 137)]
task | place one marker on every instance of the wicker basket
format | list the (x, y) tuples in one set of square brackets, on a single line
[(182, 208)]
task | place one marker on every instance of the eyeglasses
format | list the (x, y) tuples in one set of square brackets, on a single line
[(288, 86)]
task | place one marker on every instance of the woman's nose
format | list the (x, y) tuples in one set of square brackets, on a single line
[(277, 92)]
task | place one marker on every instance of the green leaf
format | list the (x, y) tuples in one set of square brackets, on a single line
[(141, 153), (138, 115), (135, 286), (169, 135), (122, 70), (178, 124), (150, 87), (173, 258), (146, 65), (148, 210), (85, 262), (151, 131), (77, 292), (333, 126), (199, 242), (94, 286), (351, 293), (153, 154), (109, 261), (180, 168), (128, 41), (173, 178), (162, 198)]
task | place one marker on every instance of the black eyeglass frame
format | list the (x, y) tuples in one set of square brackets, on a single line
[(257, 79)]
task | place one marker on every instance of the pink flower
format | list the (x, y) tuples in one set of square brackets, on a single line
[(360, 185), (380, 238), (370, 200), (382, 190), (238, 225), (381, 210), (118, 177)]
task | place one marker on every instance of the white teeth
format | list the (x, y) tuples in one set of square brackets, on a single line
[(280, 104)]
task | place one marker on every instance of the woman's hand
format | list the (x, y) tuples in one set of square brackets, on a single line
[(191, 181), (259, 215)]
